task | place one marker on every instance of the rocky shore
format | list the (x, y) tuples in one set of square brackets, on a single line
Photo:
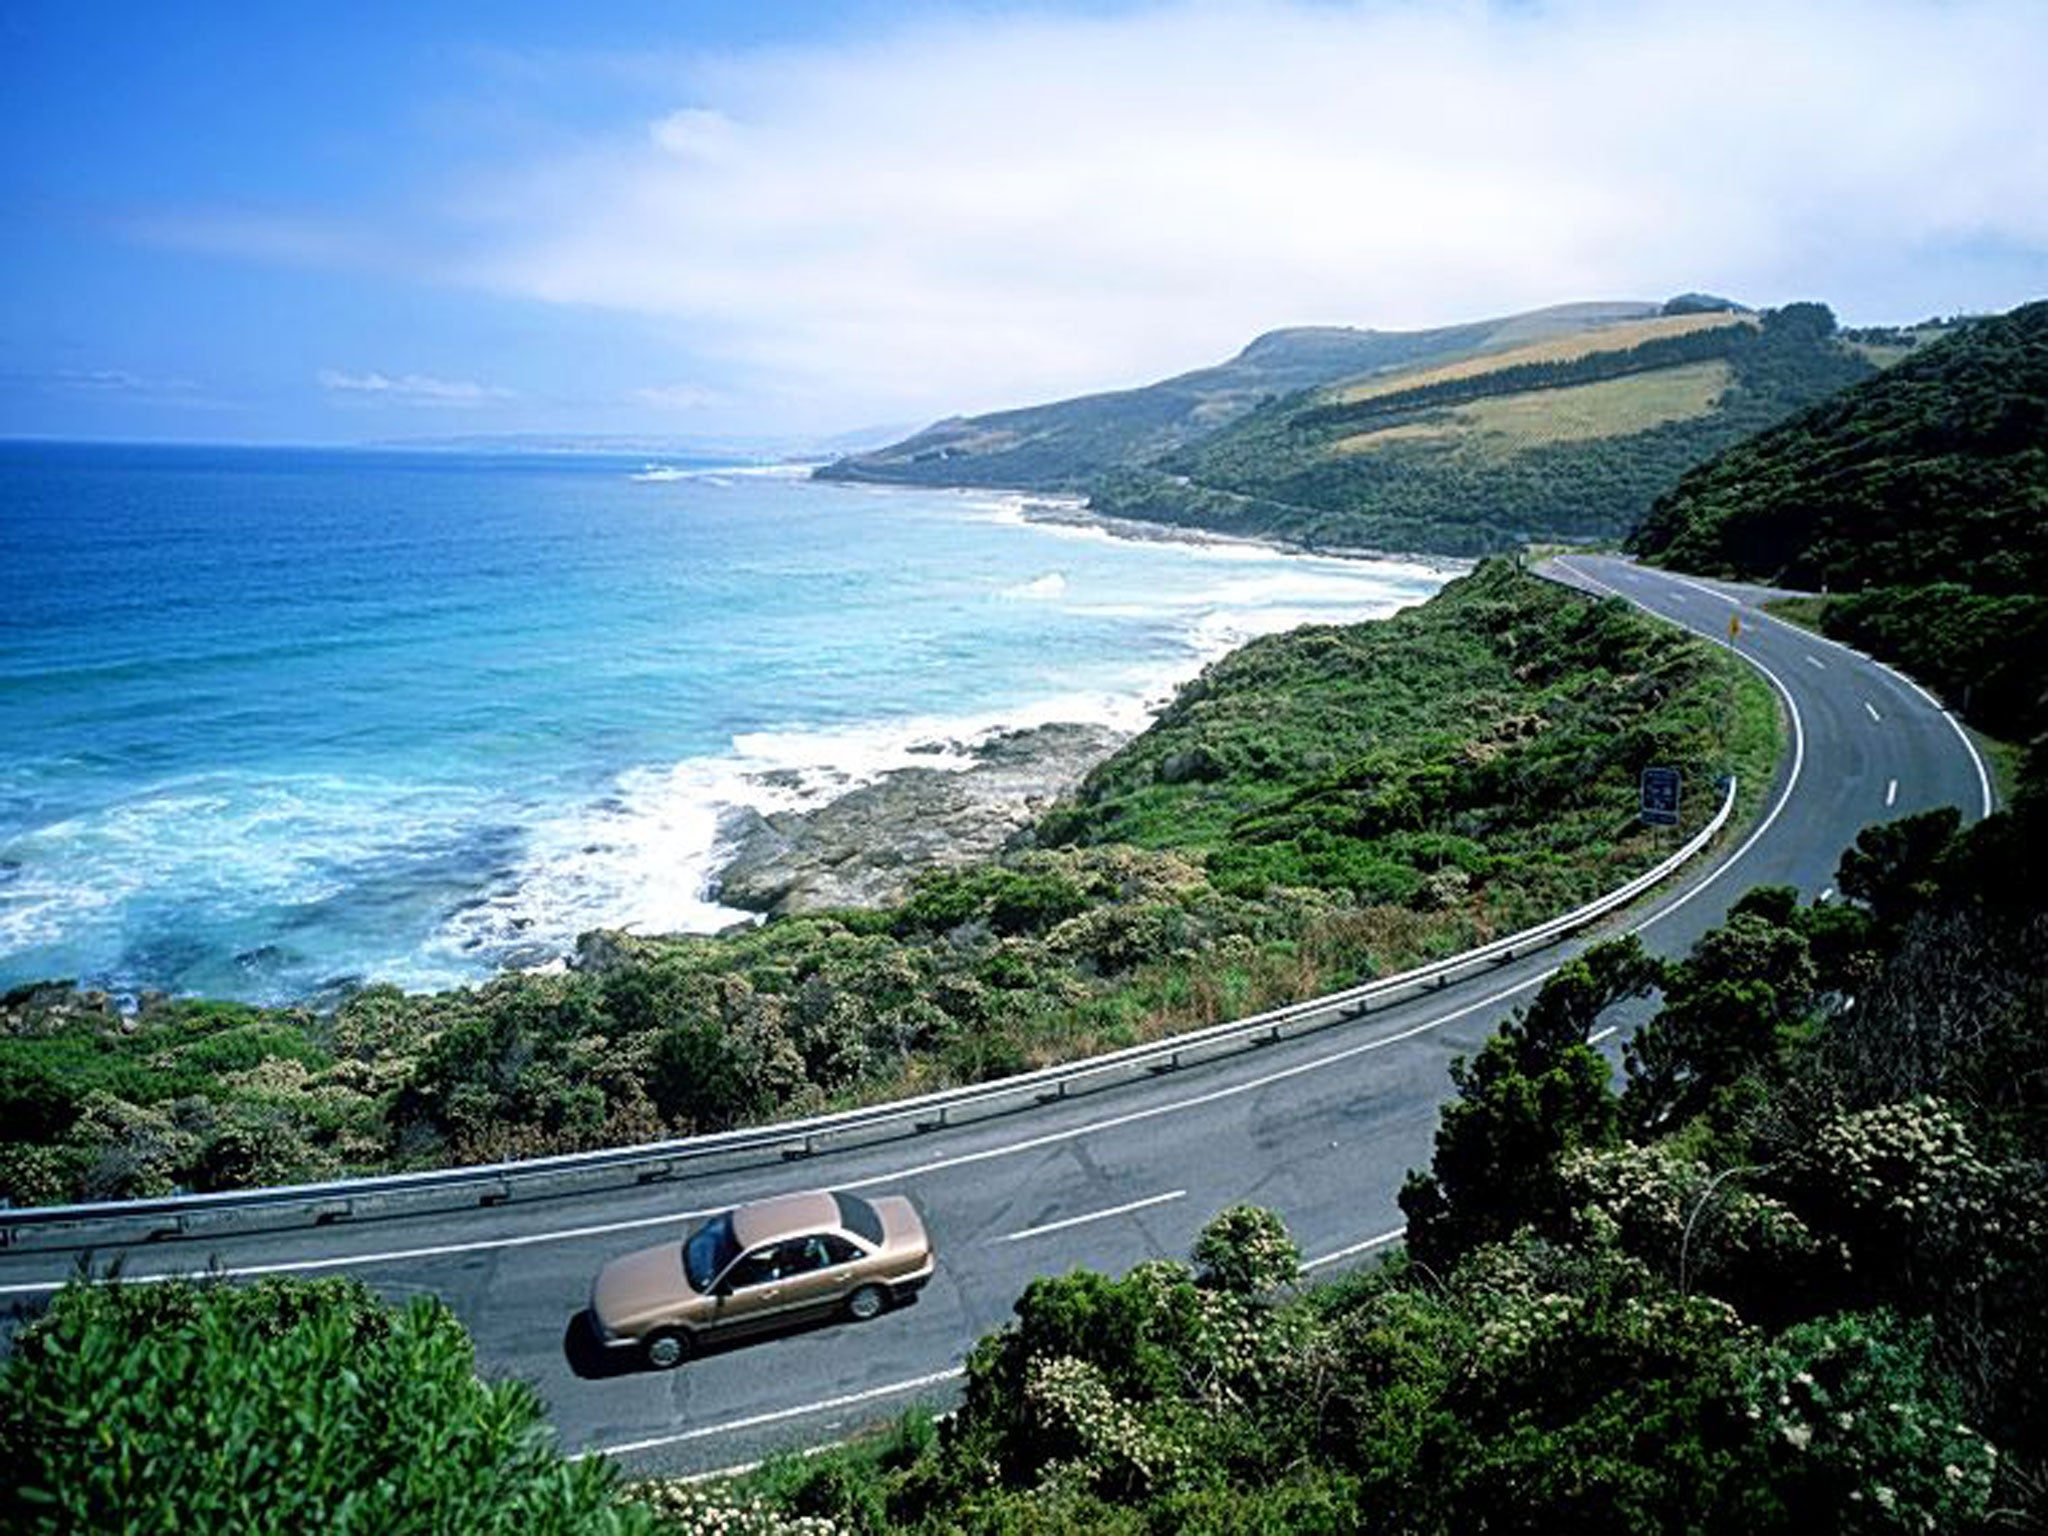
[(865, 847)]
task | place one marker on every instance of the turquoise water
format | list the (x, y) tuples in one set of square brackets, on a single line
[(275, 721)]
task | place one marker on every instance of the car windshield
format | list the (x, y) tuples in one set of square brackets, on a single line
[(710, 1248)]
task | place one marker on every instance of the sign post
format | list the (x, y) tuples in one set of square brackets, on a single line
[(1660, 797)]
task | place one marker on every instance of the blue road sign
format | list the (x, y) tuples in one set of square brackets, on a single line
[(1660, 797)]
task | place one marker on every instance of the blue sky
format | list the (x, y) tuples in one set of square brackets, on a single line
[(325, 223)]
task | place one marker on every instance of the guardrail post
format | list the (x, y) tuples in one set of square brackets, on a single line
[(660, 1170), (497, 1194), (1059, 1092), (330, 1211), (938, 1124)]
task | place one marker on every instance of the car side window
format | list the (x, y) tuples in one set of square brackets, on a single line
[(757, 1268), (838, 1250), (802, 1256)]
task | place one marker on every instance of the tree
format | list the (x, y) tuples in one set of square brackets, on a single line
[(1892, 870), (1535, 1093), (287, 1406), (1726, 1007)]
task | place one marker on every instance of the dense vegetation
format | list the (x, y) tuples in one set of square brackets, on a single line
[(1408, 469), (1065, 445), (1923, 495), (1317, 808), (1793, 1276), (1936, 468), (283, 1406)]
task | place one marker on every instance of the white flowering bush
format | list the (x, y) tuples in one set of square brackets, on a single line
[(1863, 1433), (715, 1509), (1906, 1187), (1745, 1245), (1246, 1249), (1092, 1429)]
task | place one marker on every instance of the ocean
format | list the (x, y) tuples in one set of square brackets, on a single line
[(278, 722)]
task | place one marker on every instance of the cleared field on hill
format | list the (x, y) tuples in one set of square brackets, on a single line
[(1511, 424), (1564, 349)]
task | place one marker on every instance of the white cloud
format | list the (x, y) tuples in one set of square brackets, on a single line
[(119, 381), (695, 133), (987, 210), (289, 239), (411, 388), (677, 397)]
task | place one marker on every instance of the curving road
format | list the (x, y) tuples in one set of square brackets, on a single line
[(1321, 1127)]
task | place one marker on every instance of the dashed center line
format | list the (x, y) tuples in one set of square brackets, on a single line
[(1816, 663), (1872, 708), (1310, 1265), (1891, 793), (1075, 1221)]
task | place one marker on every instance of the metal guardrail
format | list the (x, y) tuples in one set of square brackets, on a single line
[(494, 1183)]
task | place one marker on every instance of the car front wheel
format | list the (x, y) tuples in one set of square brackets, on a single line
[(668, 1349), (866, 1303)]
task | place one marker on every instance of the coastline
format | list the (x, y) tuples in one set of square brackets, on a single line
[(1054, 510), (311, 864), (866, 847), (863, 846)]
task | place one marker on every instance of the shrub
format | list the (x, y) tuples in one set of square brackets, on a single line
[(288, 1405)]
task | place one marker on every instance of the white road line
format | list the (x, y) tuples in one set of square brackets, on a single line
[(1079, 1221), (1355, 1249), (392, 1256), (779, 1415), (1699, 586), (1601, 1034), (1891, 793), (1816, 663), (1872, 710), (1989, 800)]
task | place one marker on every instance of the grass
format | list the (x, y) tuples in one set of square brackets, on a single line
[(1510, 424), (1607, 338)]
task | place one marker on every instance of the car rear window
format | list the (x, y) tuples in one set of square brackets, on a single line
[(857, 1216)]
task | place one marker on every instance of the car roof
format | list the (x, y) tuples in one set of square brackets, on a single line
[(784, 1216)]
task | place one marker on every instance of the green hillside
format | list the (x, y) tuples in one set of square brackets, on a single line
[(1067, 444), (1936, 469), (1572, 441), (1923, 495)]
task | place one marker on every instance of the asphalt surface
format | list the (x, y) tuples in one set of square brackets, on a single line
[(1322, 1128)]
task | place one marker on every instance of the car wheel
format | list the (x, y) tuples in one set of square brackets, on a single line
[(668, 1349), (866, 1303)]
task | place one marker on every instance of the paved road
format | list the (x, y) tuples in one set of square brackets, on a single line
[(1322, 1128)]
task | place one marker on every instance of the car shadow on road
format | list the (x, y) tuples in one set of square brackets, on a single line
[(592, 1361), (588, 1357)]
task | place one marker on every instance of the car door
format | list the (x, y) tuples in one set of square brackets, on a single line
[(750, 1294), (816, 1278)]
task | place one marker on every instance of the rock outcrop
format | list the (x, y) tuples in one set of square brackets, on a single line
[(864, 848)]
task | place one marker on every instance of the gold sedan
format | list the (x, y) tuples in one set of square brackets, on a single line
[(762, 1266)]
